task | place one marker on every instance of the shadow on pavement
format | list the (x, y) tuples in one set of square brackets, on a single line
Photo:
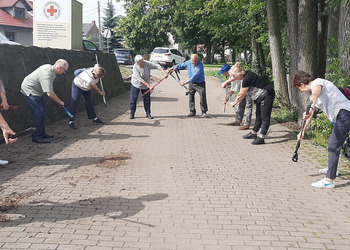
[(112, 207)]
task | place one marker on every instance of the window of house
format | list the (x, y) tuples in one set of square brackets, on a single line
[(19, 12), (10, 36)]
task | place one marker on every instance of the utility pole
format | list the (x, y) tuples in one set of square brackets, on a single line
[(99, 26)]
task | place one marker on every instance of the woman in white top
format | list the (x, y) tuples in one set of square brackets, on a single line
[(84, 81), (327, 97)]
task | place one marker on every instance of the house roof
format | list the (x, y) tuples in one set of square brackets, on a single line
[(87, 27), (10, 3), (8, 20)]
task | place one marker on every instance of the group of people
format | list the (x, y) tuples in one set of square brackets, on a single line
[(250, 87), (40, 82)]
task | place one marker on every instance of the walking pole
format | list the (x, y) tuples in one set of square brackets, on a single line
[(11, 107), (227, 93), (178, 80), (104, 98), (156, 84), (295, 154), (23, 132), (67, 112), (180, 84)]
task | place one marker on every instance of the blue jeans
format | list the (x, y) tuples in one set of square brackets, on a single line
[(134, 93), (36, 104), (339, 134), (74, 102)]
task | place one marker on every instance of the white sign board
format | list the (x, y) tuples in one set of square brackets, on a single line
[(107, 33), (52, 23)]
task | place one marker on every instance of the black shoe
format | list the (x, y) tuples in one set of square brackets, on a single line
[(97, 120), (258, 140), (71, 124), (40, 140), (131, 116), (191, 114), (149, 116), (250, 135), (47, 136)]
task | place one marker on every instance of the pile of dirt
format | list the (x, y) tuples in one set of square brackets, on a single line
[(114, 161)]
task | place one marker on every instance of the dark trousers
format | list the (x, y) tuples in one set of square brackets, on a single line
[(200, 88), (134, 93), (263, 112), (74, 102), (36, 104), (339, 134)]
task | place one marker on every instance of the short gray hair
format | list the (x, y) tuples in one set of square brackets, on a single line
[(138, 58), (61, 63)]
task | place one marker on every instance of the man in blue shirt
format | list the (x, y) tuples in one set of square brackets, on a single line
[(196, 83)]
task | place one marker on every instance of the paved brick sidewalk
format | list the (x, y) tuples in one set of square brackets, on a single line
[(169, 183)]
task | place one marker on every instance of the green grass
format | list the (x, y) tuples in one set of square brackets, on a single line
[(213, 66)]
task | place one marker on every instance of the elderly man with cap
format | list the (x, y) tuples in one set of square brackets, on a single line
[(245, 106), (140, 81), (84, 81), (33, 88)]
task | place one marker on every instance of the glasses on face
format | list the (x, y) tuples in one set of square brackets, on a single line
[(65, 71)]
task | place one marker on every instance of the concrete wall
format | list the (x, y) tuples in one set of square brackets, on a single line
[(17, 61)]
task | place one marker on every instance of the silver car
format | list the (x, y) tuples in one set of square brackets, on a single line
[(4, 40), (166, 57)]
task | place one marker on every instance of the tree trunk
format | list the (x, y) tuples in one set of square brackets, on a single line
[(307, 46), (278, 66), (292, 25), (307, 36), (208, 46), (344, 36), (321, 40), (333, 28)]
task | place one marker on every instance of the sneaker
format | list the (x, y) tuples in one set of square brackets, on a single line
[(323, 183), (324, 171), (3, 162), (258, 140), (131, 116), (250, 135), (205, 115), (97, 120), (71, 124), (191, 114), (149, 116)]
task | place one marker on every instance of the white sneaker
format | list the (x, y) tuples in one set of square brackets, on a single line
[(323, 183), (324, 171), (3, 162)]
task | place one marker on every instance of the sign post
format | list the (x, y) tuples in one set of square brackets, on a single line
[(107, 34), (57, 24)]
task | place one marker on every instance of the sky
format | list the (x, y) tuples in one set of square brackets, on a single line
[(90, 9)]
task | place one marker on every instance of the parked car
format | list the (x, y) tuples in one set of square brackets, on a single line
[(125, 56), (90, 46), (4, 40), (166, 56)]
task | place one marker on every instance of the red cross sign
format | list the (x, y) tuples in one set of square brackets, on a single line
[(52, 10)]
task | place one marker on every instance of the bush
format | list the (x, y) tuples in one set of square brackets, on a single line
[(321, 130), (284, 115)]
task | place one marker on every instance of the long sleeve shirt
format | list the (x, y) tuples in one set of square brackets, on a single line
[(142, 74), (195, 73)]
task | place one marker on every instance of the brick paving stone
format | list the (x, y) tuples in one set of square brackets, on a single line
[(173, 183)]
